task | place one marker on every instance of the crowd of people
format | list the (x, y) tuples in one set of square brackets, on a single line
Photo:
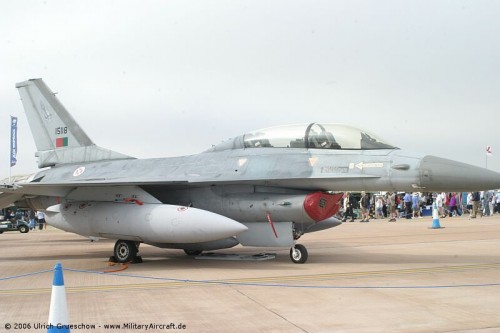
[(407, 205), (483, 203)]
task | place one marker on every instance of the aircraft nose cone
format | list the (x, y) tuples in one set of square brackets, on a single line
[(440, 174)]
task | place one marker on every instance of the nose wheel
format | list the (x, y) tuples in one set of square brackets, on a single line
[(298, 254)]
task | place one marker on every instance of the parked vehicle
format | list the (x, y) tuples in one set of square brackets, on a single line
[(19, 225)]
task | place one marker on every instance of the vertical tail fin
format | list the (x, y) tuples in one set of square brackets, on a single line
[(58, 138)]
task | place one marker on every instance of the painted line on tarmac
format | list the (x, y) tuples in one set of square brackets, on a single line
[(354, 275), (277, 281)]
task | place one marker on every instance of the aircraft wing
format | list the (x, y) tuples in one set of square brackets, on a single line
[(61, 189)]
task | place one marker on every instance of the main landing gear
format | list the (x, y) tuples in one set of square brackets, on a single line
[(298, 254), (126, 251)]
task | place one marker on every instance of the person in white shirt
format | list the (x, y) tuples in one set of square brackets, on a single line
[(439, 204), (41, 220)]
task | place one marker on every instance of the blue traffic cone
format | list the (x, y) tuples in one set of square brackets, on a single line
[(435, 217), (58, 314)]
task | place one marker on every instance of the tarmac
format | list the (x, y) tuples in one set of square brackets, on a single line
[(360, 277)]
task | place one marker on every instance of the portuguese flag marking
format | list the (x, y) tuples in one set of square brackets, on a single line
[(61, 142)]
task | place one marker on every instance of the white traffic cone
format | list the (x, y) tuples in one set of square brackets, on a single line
[(58, 314), (435, 217)]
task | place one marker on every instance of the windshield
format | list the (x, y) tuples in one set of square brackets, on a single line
[(318, 136)]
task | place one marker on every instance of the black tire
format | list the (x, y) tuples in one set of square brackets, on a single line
[(23, 229), (298, 254), (193, 252), (1, 231), (125, 251)]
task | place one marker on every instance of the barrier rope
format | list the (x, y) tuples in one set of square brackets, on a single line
[(25, 275), (252, 284), (281, 285), (121, 268)]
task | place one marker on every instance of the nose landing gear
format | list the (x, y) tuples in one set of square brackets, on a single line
[(298, 254)]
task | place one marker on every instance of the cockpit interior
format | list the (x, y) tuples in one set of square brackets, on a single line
[(308, 136)]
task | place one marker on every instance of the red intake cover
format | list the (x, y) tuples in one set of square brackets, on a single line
[(320, 205)]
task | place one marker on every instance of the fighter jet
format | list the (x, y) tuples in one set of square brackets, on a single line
[(266, 188)]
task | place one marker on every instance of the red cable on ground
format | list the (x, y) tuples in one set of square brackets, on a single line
[(123, 267)]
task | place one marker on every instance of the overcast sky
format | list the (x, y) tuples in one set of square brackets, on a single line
[(167, 78)]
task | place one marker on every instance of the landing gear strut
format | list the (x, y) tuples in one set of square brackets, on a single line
[(193, 252), (298, 254), (126, 251)]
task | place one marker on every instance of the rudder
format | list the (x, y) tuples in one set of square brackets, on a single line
[(58, 137)]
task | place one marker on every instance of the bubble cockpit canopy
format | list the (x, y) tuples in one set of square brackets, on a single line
[(314, 136)]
